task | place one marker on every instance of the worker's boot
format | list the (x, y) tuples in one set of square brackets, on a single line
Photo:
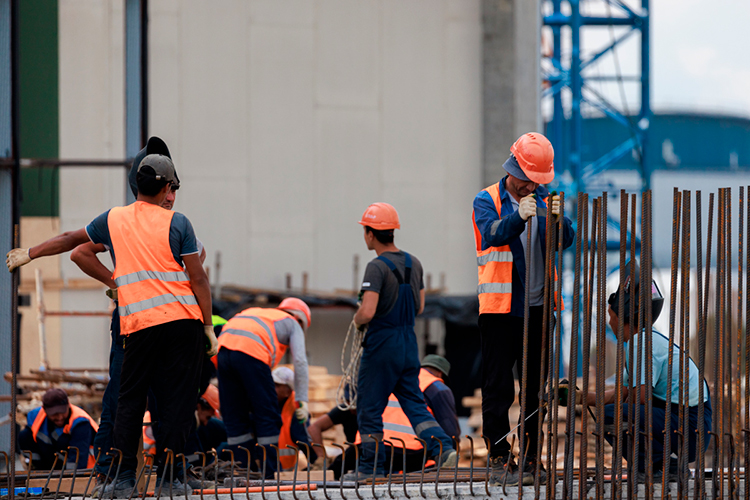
[(360, 476), (101, 481), (178, 488), (504, 471), (529, 471), (449, 458), (123, 488)]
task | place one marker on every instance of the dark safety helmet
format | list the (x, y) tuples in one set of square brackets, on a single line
[(657, 299)]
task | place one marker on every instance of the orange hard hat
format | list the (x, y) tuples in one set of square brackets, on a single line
[(298, 308), (211, 396), (535, 156), (380, 216)]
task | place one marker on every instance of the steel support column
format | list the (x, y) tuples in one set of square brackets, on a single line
[(136, 80)]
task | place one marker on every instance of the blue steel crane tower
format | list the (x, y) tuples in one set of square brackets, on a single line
[(560, 73)]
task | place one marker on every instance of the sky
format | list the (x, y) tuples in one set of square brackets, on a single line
[(700, 56)]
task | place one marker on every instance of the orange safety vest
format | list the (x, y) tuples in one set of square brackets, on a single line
[(149, 443), (253, 332), (77, 415), (152, 288), (494, 267), (396, 423), (287, 456)]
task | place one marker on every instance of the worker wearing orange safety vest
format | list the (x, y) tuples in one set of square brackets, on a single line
[(251, 344), (503, 213), (54, 427), (293, 432), (165, 312)]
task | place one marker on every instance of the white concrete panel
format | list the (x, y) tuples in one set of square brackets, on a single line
[(165, 74), (348, 181), (464, 161), (213, 82), (272, 256), (282, 155), (464, 10), (85, 341), (282, 12), (348, 52), (413, 100)]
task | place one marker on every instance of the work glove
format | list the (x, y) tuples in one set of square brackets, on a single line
[(562, 394), (555, 205), (16, 258), (302, 413), (112, 293), (212, 344), (527, 207)]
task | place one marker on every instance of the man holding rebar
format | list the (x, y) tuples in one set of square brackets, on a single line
[(164, 308), (662, 387), (503, 213)]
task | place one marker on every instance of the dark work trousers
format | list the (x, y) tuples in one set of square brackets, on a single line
[(103, 441), (167, 359), (502, 347), (658, 426), (249, 406)]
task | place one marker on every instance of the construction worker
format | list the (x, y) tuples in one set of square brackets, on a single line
[(165, 311), (392, 295), (501, 213), (440, 402), (659, 383), (251, 344), (85, 257), (292, 430), (54, 427)]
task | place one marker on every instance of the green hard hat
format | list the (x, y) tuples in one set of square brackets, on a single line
[(437, 362)]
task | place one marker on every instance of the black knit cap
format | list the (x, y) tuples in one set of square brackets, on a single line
[(55, 401)]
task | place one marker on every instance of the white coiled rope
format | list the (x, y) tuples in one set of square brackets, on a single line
[(347, 399)]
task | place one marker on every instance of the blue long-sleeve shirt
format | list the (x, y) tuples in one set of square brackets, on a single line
[(505, 229), (439, 398)]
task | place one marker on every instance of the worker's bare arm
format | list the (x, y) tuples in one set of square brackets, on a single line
[(421, 302), (62, 243), (367, 309), (317, 428), (85, 258), (203, 255), (199, 284)]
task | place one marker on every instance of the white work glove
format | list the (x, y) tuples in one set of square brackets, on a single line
[(527, 207), (302, 413), (212, 346), (555, 205), (16, 258)]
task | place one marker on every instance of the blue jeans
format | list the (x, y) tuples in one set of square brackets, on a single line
[(103, 441), (390, 364), (249, 406)]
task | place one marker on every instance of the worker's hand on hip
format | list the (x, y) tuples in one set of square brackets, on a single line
[(112, 293), (555, 205), (527, 207), (302, 413), (212, 344), (16, 258)]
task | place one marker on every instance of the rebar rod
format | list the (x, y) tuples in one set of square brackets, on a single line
[(617, 462), (588, 286), (637, 322), (633, 429), (570, 431), (716, 480), (676, 216), (738, 341), (646, 306), (746, 430), (601, 351), (547, 368), (555, 378), (681, 431), (728, 347), (525, 352), (683, 483), (699, 484)]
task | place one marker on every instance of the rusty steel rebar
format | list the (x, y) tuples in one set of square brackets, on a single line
[(699, 489), (716, 479), (633, 429), (557, 351), (619, 361), (588, 287), (684, 400), (736, 429), (546, 367), (601, 351), (646, 306), (746, 429), (525, 353)]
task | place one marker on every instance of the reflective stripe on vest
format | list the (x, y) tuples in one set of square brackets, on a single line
[(287, 456), (153, 288), (253, 332), (395, 422), (494, 267)]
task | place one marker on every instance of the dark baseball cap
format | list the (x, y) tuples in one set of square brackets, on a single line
[(162, 166), (155, 145), (55, 401), (437, 362)]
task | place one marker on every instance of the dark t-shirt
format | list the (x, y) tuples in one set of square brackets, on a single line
[(379, 278), (348, 420)]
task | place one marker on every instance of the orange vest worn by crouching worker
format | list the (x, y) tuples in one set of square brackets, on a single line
[(152, 287), (253, 332), (287, 456), (77, 416), (495, 267), (395, 422)]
